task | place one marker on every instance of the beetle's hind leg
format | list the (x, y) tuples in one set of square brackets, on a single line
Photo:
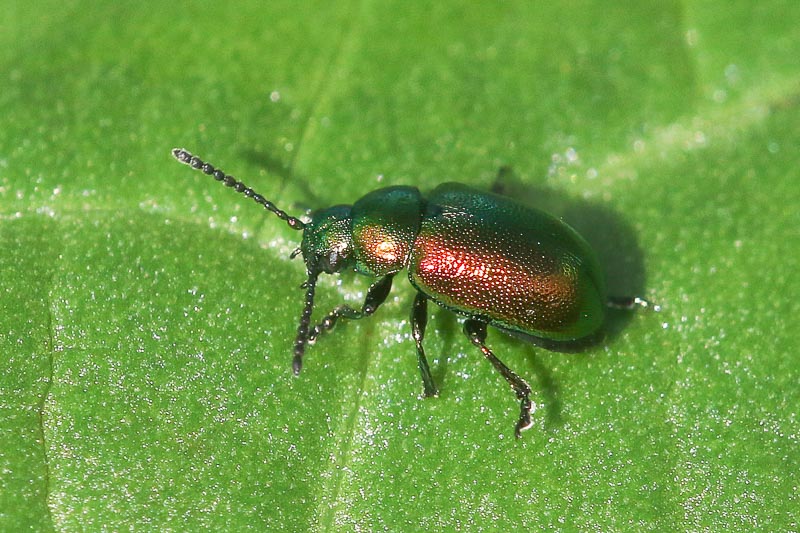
[(376, 295), (630, 302), (419, 320), (475, 330)]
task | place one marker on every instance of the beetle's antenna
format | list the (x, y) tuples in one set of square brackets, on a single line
[(195, 162), (305, 320)]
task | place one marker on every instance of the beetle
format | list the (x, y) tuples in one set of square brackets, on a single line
[(480, 255)]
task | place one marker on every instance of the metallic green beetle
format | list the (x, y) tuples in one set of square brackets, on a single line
[(480, 255)]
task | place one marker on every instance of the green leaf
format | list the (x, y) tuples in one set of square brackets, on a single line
[(147, 314)]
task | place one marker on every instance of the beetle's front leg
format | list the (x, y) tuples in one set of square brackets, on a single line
[(376, 295), (475, 330)]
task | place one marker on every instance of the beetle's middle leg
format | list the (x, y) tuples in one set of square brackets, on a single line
[(376, 295), (475, 330), (419, 320)]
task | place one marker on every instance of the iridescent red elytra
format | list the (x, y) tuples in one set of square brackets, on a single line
[(481, 255)]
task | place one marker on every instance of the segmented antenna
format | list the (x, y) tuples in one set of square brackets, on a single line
[(195, 162)]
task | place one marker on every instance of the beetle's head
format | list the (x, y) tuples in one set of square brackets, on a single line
[(328, 240), (327, 246)]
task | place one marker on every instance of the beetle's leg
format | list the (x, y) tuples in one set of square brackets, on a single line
[(475, 330), (376, 295), (419, 319), (629, 302), (500, 183)]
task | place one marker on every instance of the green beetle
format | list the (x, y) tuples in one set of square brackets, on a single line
[(480, 255)]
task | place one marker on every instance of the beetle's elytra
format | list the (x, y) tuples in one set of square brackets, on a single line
[(482, 256)]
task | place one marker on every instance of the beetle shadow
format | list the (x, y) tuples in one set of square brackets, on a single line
[(448, 329), (611, 237), (283, 169), (614, 241), (445, 326)]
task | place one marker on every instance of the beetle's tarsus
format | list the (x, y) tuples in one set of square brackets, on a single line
[(525, 421), (631, 302)]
